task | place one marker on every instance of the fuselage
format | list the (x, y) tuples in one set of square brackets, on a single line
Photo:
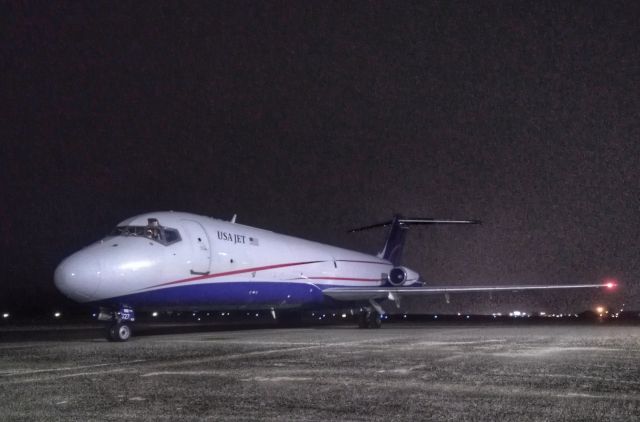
[(174, 260)]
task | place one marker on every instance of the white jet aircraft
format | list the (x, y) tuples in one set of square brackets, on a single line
[(180, 261)]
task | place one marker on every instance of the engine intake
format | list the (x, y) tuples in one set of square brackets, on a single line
[(397, 276)]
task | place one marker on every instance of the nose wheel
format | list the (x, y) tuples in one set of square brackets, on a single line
[(120, 322), (120, 331)]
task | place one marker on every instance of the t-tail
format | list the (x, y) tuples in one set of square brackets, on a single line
[(399, 225)]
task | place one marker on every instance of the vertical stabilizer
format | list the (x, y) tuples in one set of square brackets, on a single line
[(394, 244)]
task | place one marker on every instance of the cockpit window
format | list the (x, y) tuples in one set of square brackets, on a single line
[(171, 236), (153, 231)]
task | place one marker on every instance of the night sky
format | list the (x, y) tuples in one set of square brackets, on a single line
[(310, 118)]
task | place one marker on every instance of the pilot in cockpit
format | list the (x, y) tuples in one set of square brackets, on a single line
[(153, 229)]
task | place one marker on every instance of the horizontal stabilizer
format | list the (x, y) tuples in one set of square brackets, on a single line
[(398, 227), (414, 221), (367, 293)]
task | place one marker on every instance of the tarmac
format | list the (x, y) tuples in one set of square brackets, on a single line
[(410, 371)]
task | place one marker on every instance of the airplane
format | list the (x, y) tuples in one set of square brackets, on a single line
[(181, 261)]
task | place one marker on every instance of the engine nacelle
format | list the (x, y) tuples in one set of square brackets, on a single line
[(402, 276)]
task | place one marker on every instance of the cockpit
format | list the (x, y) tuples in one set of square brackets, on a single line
[(153, 231)]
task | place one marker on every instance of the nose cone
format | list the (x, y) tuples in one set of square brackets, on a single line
[(78, 276)]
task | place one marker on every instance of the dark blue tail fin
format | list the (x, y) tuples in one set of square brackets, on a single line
[(394, 244)]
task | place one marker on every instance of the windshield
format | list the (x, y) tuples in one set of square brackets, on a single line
[(162, 235)]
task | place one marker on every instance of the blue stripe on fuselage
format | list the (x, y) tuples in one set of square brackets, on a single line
[(238, 294)]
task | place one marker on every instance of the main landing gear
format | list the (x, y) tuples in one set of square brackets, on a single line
[(120, 323), (369, 318)]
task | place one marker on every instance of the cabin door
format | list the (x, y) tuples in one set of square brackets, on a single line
[(200, 247)]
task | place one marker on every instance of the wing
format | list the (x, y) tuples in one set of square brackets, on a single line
[(383, 292)]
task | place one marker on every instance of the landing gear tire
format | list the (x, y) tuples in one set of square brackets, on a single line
[(369, 319), (363, 321), (375, 320), (120, 331)]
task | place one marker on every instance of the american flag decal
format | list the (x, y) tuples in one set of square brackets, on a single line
[(253, 241)]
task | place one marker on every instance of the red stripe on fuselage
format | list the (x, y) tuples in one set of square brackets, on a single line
[(245, 270), (271, 267)]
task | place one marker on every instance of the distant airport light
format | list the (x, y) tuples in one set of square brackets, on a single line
[(344, 315), (543, 313), (6, 315), (600, 310), (154, 314), (435, 317), (57, 314)]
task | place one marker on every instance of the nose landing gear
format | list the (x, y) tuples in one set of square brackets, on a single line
[(120, 326), (120, 331)]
